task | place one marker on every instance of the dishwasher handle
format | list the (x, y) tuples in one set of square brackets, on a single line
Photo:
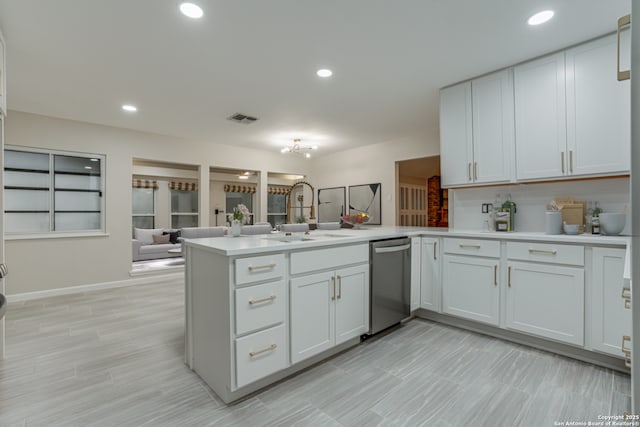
[(388, 249)]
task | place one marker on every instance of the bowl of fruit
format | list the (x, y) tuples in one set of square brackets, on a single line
[(356, 219)]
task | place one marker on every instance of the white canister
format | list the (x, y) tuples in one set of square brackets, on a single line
[(553, 222)]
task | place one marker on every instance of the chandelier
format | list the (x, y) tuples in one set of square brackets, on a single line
[(301, 150)]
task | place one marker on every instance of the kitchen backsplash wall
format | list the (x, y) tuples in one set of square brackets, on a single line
[(531, 200)]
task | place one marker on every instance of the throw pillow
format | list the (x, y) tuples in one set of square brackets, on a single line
[(173, 236), (159, 239), (145, 235)]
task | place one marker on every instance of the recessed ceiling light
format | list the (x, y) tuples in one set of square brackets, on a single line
[(191, 10), (87, 167), (243, 177), (94, 160), (540, 17), (130, 108), (307, 155), (324, 72)]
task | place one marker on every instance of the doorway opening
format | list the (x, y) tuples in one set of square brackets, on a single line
[(421, 202)]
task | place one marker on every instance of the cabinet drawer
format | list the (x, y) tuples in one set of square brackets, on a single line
[(260, 306), (488, 248), (546, 252), (255, 269), (322, 259), (260, 354)]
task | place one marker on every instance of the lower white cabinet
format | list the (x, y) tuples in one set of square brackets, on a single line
[(546, 300), (470, 288), (327, 309), (610, 321), (430, 286), (260, 354), (415, 272)]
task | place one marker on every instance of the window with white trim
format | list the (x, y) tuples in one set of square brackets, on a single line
[(184, 208), (48, 192), (143, 206)]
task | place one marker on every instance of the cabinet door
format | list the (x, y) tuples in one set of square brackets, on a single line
[(312, 315), (352, 302), (415, 273), (598, 110), (546, 300), (540, 118), (609, 319), (470, 288), (493, 127), (456, 149), (430, 274)]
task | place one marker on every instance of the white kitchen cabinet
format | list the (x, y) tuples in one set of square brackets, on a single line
[(476, 131), (470, 287), (3, 76), (609, 318), (598, 110), (456, 139), (430, 286), (540, 118), (327, 309), (546, 300), (415, 272)]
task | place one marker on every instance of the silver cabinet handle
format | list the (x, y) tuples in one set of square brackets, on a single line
[(626, 351), (259, 300), (264, 350), (475, 171), (562, 161), (339, 287), (570, 161), (261, 267), (495, 275), (543, 251), (469, 171), (462, 245), (622, 22), (333, 288), (509, 276), (626, 295), (435, 244), (388, 249)]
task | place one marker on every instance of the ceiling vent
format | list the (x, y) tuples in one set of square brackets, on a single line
[(242, 118)]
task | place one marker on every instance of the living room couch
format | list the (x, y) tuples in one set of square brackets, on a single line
[(144, 246)]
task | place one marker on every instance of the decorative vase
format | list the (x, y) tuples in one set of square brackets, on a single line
[(235, 228)]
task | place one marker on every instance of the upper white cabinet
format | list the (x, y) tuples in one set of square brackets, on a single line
[(540, 118), (572, 115), (476, 131), (598, 110), (3, 77)]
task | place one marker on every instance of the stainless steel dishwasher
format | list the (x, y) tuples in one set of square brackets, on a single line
[(390, 279)]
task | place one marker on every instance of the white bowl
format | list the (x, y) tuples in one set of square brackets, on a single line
[(612, 224), (571, 228)]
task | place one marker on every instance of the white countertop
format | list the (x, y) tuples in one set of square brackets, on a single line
[(246, 245)]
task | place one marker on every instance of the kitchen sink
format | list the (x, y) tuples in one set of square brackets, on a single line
[(292, 238)]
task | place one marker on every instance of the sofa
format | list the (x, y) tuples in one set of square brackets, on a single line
[(155, 243)]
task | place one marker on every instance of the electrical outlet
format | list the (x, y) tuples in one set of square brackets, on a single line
[(485, 207)]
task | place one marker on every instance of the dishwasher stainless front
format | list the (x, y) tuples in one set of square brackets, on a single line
[(390, 281)]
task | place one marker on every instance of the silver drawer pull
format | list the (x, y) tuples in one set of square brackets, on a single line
[(626, 351), (626, 295), (261, 267), (264, 350), (462, 245), (542, 251), (259, 300)]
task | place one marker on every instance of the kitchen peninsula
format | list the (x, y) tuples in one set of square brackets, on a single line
[(259, 308)]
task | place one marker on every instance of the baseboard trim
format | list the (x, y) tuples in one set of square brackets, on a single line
[(176, 278)]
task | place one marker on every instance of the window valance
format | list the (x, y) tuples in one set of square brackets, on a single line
[(184, 186), (278, 189), (144, 183), (235, 188)]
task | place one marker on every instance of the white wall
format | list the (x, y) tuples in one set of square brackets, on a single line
[(51, 263), (611, 194), (371, 164)]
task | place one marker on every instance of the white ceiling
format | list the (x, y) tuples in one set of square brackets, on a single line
[(82, 59)]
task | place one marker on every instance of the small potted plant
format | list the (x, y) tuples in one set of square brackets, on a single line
[(239, 216)]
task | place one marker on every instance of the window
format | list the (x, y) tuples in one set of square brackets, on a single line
[(143, 206), (234, 199), (184, 208), (276, 209), (47, 192)]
